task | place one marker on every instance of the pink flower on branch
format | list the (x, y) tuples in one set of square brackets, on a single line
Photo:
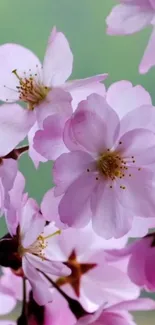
[(93, 280), (106, 176), (131, 16), (24, 250)]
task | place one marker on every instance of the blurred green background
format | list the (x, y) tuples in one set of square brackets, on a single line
[(83, 22)]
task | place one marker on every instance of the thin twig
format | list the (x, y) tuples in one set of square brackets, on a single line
[(16, 153), (23, 319), (74, 305)]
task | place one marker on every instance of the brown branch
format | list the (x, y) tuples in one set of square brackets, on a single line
[(74, 305), (15, 153)]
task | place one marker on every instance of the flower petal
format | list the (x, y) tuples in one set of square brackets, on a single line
[(14, 202), (109, 285), (141, 226), (69, 137), (34, 155), (15, 122), (128, 19), (57, 101), (8, 172), (124, 98), (49, 141), (31, 223), (141, 117), (110, 219), (40, 288), (7, 302), (80, 89), (58, 61), (138, 194), (68, 167), (95, 124), (15, 57), (49, 208), (148, 269), (148, 60), (140, 304), (140, 144), (48, 266), (14, 283), (74, 207)]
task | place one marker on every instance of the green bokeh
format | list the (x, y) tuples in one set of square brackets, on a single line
[(83, 22)]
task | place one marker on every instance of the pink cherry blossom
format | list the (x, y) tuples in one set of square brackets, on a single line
[(106, 176), (131, 16), (128, 100), (26, 226), (122, 96), (93, 280), (42, 87), (118, 314), (27, 80)]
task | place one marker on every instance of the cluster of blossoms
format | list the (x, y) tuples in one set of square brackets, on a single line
[(68, 260)]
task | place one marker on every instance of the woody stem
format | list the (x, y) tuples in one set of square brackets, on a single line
[(16, 153), (74, 305), (23, 319)]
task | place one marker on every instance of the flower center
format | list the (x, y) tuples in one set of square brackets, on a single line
[(111, 165), (37, 248), (31, 90)]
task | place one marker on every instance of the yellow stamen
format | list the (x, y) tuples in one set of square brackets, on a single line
[(31, 90), (16, 74), (38, 246), (58, 232)]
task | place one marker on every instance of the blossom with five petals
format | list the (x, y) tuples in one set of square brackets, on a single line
[(42, 87), (106, 176), (27, 244), (93, 281)]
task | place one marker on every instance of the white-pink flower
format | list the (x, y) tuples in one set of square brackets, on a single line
[(106, 176), (42, 87), (29, 237), (131, 16), (93, 280)]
